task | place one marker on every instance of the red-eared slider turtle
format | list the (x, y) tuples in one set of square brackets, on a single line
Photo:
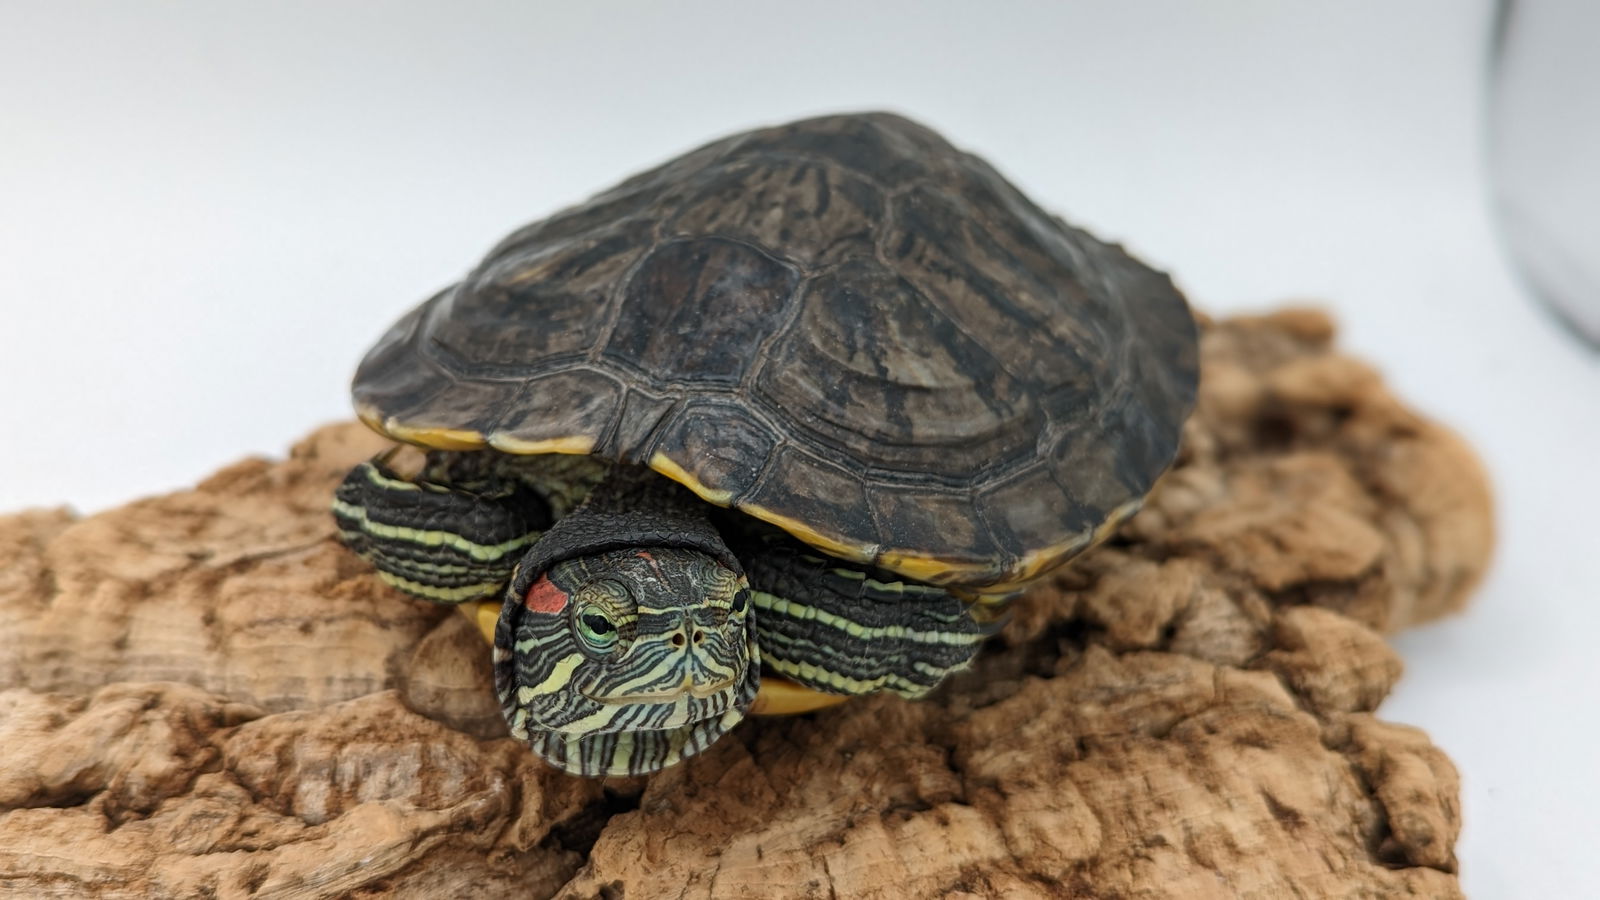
[(812, 400)]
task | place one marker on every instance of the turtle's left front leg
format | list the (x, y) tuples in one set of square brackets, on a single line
[(451, 535), (842, 628)]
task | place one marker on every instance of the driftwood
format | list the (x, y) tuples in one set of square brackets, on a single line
[(204, 695)]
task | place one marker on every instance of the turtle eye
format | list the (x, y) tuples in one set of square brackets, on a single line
[(741, 599), (602, 611), (596, 629)]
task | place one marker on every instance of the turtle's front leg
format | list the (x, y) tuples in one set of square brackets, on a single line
[(841, 628), (436, 539)]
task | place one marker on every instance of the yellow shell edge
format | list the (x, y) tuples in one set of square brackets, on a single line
[(927, 568), (1038, 563), (435, 438), (1029, 568), (661, 463), (483, 614), (578, 444), (782, 697), (371, 418), (865, 553), (465, 439)]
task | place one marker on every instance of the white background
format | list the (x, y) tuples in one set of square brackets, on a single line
[(209, 209)]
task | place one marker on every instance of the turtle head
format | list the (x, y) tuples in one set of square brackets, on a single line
[(626, 661)]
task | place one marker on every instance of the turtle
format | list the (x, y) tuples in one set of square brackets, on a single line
[(785, 420)]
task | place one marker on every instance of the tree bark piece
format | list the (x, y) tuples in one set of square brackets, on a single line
[(204, 695)]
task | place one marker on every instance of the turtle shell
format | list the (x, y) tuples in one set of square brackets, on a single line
[(843, 326)]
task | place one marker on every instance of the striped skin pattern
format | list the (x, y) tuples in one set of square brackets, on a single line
[(627, 661), (436, 542), (592, 657), (846, 628)]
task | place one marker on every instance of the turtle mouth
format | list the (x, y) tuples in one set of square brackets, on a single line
[(686, 690)]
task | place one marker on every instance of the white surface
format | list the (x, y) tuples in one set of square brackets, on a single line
[(208, 210), (1545, 140)]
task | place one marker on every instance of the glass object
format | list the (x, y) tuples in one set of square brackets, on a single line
[(1544, 153)]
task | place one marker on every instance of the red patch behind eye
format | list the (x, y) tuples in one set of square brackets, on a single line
[(545, 597)]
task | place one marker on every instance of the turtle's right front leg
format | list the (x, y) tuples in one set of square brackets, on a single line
[(434, 539)]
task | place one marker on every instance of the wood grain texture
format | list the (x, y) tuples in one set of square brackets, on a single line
[(203, 695)]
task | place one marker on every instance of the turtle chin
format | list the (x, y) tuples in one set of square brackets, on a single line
[(636, 752), (644, 733)]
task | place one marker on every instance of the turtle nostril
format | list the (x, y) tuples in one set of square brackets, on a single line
[(699, 637), (677, 640)]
